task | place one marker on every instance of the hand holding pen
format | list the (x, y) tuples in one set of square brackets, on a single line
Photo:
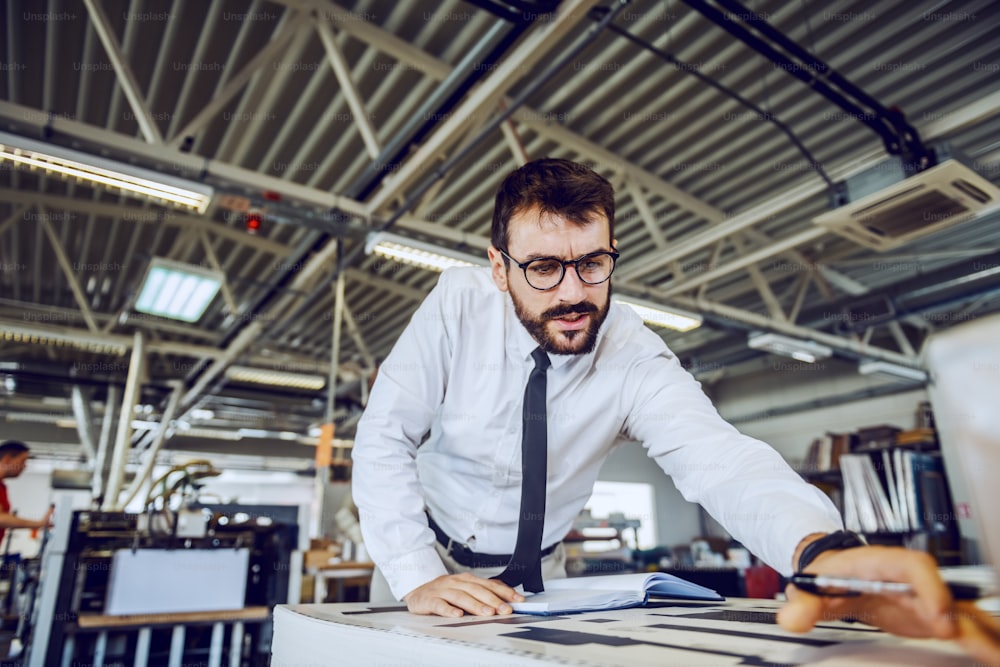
[(898, 590), (832, 586)]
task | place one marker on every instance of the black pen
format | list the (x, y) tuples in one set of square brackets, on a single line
[(819, 584)]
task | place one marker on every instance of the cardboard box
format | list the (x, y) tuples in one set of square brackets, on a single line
[(315, 558)]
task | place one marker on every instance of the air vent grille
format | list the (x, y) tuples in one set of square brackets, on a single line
[(922, 204)]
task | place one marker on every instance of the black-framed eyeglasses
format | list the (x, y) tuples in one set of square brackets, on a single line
[(545, 273)]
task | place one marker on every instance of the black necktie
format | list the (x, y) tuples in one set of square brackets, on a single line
[(525, 565)]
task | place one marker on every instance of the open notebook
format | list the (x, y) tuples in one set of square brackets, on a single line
[(613, 591)]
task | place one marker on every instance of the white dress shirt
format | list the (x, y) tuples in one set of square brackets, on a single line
[(456, 377)]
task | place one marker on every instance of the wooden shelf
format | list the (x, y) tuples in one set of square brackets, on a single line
[(102, 621)]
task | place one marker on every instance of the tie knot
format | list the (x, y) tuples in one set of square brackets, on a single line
[(541, 359)]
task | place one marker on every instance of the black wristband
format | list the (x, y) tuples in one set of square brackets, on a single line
[(842, 539)]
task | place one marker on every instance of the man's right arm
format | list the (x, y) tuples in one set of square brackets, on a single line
[(400, 410), (404, 402), (14, 521)]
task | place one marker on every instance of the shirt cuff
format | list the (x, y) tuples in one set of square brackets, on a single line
[(412, 570)]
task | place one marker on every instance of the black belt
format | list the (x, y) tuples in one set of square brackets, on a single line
[(463, 555)]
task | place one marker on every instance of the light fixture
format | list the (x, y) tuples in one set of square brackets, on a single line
[(276, 378), (418, 253), (662, 316), (71, 164), (893, 372), (176, 290), (802, 350), (74, 340)]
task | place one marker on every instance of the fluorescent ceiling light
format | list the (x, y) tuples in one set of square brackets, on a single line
[(71, 164), (178, 291), (276, 378), (663, 316), (802, 350), (11, 333), (417, 253), (890, 371)]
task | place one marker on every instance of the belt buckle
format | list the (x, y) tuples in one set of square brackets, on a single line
[(452, 543)]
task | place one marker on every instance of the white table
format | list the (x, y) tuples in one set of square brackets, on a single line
[(738, 631)]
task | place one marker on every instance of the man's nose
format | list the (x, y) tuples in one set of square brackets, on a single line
[(572, 289)]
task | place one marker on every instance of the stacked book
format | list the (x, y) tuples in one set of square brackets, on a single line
[(895, 491)]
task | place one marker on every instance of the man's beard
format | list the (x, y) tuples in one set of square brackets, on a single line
[(581, 341)]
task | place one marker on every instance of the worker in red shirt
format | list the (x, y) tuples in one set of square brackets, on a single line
[(13, 459)]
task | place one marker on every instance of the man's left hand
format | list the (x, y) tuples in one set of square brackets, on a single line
[(929, 612)]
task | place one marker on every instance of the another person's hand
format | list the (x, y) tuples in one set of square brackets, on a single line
[(453, 595), (929, 612)]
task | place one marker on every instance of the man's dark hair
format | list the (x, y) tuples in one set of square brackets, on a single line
[(568, 189), (13, 448)]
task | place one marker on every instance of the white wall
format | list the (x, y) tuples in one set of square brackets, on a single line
[(676, 519), (30, 495), (793, 383), (792, 434)]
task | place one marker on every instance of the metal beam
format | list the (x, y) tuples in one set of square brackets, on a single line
[(384, 284), (219, 101), (483, 100), (67, 267), (436, 230), (713, 261), (514, 142), (213, 260), (539, 123), (800, 295), (343, 73), (149, 457), (954, 121), (357, 26), (338, 320), (13, 217), (84, 422), (126, 79), (763, 287), (900, 337), (645, 213), (387, 42), (846, 345), (39, 120), (841, 281), (803, 237), (359, 340), (123, 437), (102, 464), (139, 215), (984, 107)]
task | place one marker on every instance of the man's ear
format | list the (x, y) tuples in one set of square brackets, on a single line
[(499, 271)]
